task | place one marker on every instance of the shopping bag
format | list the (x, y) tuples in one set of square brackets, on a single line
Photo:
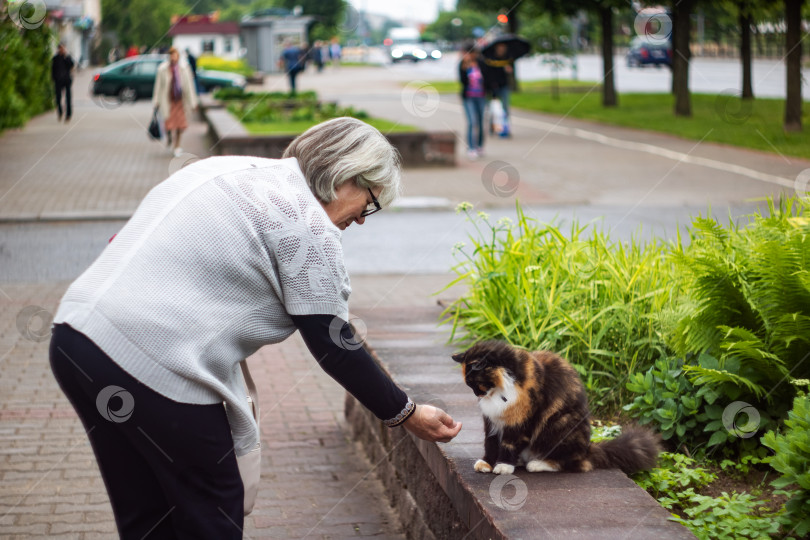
[(496, 114), (155, 131)]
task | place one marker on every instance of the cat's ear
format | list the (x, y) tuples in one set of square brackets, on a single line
[(459, 357)]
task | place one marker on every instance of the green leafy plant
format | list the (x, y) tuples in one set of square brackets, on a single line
[(670, 401), (675, 484), (674, 474), (792, 459), (739, 515), (25, 72)]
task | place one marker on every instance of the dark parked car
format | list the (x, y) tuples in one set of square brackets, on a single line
[(134, 78), (647, 52)]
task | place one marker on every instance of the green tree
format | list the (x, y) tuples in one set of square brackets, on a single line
[(141, 22), (793, 65), (328, 15), (604, 10), (457, 26), (510, 9)]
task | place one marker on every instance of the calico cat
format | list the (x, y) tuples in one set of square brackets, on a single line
[(535, 410)]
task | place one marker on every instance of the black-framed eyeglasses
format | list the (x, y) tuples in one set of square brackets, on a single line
[(369, 209)]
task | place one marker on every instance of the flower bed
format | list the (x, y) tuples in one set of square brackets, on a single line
[(700, 340)]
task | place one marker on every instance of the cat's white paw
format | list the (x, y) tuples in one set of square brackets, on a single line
[(482, 466), (538, 465), (503, 468)]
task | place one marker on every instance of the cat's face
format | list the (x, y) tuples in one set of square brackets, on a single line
[(484, 366)]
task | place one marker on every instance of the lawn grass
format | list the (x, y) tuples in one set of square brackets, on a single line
[(299, 126), (716, 118)]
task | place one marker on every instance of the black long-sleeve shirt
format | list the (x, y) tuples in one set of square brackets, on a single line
[(351, 365)]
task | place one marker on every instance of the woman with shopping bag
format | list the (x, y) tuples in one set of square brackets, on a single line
[(175, 96)]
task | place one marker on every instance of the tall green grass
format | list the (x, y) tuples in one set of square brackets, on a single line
[(575, 291)]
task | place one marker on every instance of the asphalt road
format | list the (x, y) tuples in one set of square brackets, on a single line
[(709, 75), (392, 242)]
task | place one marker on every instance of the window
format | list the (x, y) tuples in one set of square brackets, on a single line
[(147, 68), (208, 46), (228, 44)]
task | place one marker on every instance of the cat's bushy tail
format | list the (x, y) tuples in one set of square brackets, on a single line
[(636, 449)]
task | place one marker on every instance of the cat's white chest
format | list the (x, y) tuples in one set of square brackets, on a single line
[(497, 400)]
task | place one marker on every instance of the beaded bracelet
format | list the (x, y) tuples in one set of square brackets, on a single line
[(406, 413)]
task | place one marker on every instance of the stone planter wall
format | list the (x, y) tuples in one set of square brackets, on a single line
[(229, 137)]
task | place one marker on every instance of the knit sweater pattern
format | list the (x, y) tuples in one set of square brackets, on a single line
[(209, 269)]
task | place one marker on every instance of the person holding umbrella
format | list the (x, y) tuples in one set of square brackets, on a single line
[(498, 61)]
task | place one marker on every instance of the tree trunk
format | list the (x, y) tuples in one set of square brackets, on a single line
[(680, 61), (609, 97), (672, 66), (793, 65), (745, 51)]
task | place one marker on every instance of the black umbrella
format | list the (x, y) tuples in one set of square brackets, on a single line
[(515, 47)]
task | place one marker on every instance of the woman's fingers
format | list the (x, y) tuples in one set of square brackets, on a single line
[(432, 424)]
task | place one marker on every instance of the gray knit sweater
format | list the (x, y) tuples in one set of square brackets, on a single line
[(208, 270)]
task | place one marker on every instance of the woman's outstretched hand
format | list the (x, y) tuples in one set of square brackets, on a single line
[(432, 424)]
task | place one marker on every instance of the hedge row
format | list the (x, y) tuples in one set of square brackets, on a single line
[(25, 78)]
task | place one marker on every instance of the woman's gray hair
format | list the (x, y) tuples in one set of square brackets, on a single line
[(343, 149)]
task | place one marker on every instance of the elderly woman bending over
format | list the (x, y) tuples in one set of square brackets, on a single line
[(223, 257)]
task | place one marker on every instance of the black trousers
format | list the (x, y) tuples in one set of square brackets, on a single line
[(169, 467), (59, 86)]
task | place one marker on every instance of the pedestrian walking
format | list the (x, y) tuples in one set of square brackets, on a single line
[(192, 63), (316, 54), (62, 75), (473, 96), (175, 96), (226, 255), (334, 52), (293, 58)]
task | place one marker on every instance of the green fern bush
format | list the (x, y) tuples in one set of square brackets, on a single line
[(748, 293)]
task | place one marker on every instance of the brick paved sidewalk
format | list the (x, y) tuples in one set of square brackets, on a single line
[(315, 483), (101, 164)]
